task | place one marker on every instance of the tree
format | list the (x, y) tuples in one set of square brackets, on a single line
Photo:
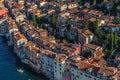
[(96, 42), (99, 1), (87, 53), (64, 41), (76, 1), (105, 1), (35, 20), (96, 27), (82, 1), (112, 40), (86, 25), (68, 24), (116, 1), (104, 9), (54, 20), (93, 26), (114, 9), (94, 2), (117, 20), (115, 38)]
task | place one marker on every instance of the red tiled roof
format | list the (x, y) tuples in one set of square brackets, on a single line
[(2, 12)]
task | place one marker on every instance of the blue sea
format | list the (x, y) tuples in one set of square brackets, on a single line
[(9, 64)]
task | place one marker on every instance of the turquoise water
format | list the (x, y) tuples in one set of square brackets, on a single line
[(9, 65)]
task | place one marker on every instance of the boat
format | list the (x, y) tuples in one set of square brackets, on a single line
[(20, 70)]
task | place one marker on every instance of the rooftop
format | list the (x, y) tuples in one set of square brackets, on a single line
[(92, 46)]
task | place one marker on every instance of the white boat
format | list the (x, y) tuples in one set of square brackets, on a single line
[(20, 70)]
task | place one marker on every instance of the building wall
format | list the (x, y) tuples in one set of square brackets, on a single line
[(47, 65), (72, 6), (3, 28), (80, 75), (58, 70)]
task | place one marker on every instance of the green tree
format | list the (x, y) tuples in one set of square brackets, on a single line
[(35, 20), (93, 26), (68, 24), (96, 42), (115, 38), (87, 53), (105, 1), (86, 25), (76, 1), (94, 2), (112, 40), (114, 9), (54, 20), (116, 1), (82, 1), (99, 1), (64, 41), (96, 27), (117, 20), (104, 9)]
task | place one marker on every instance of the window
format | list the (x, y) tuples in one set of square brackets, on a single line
[(85, 75), (89, 77), (77, 76), (59, 64), (55, 66), (81, 73), (55, 71), (60, 68)]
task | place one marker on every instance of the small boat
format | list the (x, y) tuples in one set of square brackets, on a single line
[(20, 70)]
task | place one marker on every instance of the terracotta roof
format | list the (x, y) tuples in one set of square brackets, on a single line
[(98, 54), (71, 3), (3, 12), (29, 43), (102, 62), (87, 32), (117, 76), (85, 10), (92, 46), (92, 19), (85, 65), (19, 36), (107, 71), (111, 25), (61, 57), (95, 12)]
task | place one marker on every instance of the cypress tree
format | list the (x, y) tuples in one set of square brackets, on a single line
[(116, 1), (86, 24), (34, 21), (94, 2), (105, 0), (96, 28), (112, 40)]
